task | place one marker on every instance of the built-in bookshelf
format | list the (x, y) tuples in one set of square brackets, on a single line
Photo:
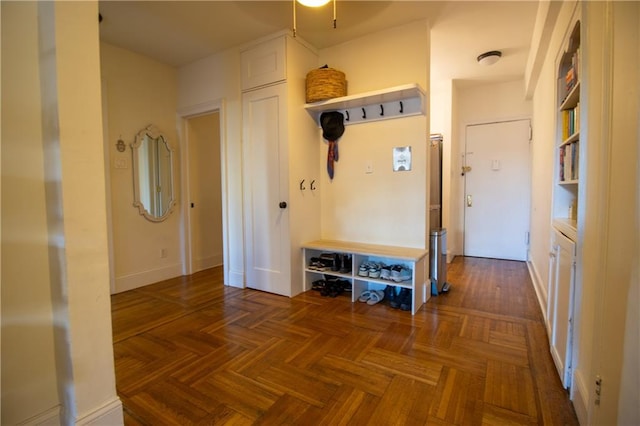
[(567, 167)]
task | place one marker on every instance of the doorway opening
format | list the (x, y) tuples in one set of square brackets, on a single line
[(204, 219)]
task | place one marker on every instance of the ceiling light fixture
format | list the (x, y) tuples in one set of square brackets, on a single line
[(489, 58), (312, 3)]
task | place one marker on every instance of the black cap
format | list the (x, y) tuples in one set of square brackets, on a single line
[(332, 123)]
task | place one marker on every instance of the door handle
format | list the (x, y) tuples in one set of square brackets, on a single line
[(283, 204), (469, 201)]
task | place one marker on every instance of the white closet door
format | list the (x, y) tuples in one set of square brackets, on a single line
[(265, 174)]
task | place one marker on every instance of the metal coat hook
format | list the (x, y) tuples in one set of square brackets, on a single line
[(401, 108), (381, 110), (347, 112), (313, 183), (302, 188), (364, 113)]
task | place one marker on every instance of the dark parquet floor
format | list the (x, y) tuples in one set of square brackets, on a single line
[(192, 351)]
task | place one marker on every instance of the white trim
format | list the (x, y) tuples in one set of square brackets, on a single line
[(539, 287), (139, 279), (50, 417), (109, 414), (236, 279), (208, 262), (580, 398)]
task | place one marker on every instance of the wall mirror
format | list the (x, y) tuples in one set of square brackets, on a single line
[(153, 192)]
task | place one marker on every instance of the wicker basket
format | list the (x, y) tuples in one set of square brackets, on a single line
[(325, 83)]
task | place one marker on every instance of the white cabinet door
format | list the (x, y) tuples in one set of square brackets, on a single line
[(265, 172), (561, 304), (264, 64)]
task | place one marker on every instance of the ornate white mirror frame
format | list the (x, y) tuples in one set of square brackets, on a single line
[(153, 189)]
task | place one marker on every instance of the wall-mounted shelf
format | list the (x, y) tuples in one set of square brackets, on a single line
[(394, 102)]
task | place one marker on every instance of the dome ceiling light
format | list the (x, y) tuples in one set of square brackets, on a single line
[(312, 3), (489, 58)]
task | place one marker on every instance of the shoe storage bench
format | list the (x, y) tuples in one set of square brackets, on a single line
[(416, 260)]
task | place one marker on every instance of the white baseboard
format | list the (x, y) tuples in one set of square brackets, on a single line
[(208, 262), (580, 398), (236, 279), (109, 414), (540, 288), (51, 417), (140, 279)]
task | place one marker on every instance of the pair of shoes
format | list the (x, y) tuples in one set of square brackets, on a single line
[(400, 273), (371, 297), (334, 287), (318, 285), (370, 269)]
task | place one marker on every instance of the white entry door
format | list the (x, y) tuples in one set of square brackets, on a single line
[(265, 174), (497, 190)]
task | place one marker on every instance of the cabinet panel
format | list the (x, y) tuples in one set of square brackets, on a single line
[(264, 64), (560, 315)]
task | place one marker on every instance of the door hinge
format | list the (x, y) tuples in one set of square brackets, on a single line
[(526, 238), (530, 133)]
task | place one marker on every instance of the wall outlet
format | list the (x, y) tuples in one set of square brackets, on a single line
[(163, 252), (120, 163)]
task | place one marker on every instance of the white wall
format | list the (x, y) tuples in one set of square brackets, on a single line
[(139, 92), (383, 207), (58, 110), (28, 357), (474, 105)]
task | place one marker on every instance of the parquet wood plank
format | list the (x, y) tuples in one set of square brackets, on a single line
[(356, 375), (458, 398), (511, 387), (192, 351), (301, 383), (339, 411), (405, 403), (244, 395), (402, 365)]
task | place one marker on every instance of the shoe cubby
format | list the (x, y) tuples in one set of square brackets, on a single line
[(344, 261)]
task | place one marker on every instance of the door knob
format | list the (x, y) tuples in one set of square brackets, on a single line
[(283, 204)]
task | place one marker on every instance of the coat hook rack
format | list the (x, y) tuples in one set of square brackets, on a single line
[(364, 114), (401, 108), (313, 183), (381, 110), (302, 188), (347, 113)]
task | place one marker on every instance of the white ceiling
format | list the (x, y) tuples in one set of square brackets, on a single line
[(180, 32)]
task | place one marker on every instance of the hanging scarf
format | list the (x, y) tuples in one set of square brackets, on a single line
[(332, 156)]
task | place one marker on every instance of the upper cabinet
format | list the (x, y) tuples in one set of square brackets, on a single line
[(263, 64), (394, 102), (568, 147)]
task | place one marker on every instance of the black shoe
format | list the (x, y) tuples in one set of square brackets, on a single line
[(391, 296), (406, 298)]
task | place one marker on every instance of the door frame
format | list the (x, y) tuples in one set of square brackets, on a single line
[(464, 164), (182, 117)]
